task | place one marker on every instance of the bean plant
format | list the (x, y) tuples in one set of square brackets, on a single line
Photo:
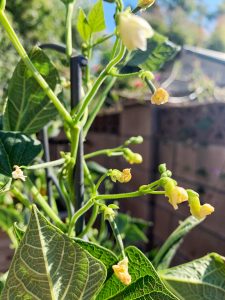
[(56, 257)]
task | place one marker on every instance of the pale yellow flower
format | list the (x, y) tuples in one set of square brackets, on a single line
[(160, 96), (197, 210), (18, 174), (204, 210), (134, 31), (131, 157), (145, 3), (175, 194), (121, 271)]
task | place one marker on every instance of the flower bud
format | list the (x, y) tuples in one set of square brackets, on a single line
[(197, 210), (145, 3), (109, 213), (134, 31), (175, 193), (134, 140), (131, 157), (160, 96), (121, 271), (162, 168), (18, 174), (123, 177)]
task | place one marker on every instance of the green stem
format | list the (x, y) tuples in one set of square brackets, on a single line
[(91, 220), (53, 163), (75, 135), (128, 195), (89, 54), (102, 40), (78, 214), (66, 197), (102, 152), (39, 199), (44, 85), (90, 95), (88, 176), (98, 106), (150, 85), (69, 15), (19, 196), (120, 75), (117, 236), (116, 44), (101, 179)]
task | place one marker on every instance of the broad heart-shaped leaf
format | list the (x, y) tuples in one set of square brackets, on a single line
[(167, 251), (159, 51), (48, 265), (201, 279), (107, 257), (96, 17), (8, 216), (28, 108), (146, 284), (16, 149)]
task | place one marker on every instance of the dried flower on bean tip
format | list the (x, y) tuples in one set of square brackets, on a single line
[(109, 211), (18, 174), (123, 177), (160, 96), (121, 271)]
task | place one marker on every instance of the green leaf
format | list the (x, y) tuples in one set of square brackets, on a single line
[(5, 185), (107, 257), (48, 265), (8, 216), (201, 279), (96, 167), (166, 253), (28, 108), (83, 26), (2, 281), (19, 232), (16, 149), (159, 51), (96, 17), (146, 284)]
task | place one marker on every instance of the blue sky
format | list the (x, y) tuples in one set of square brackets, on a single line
[(109, 10)]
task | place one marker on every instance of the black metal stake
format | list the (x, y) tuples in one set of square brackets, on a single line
[(47, 159), (76, 64)]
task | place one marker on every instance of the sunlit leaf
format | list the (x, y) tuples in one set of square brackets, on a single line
[(201, 279), (28, 108), (167, 251), (146, 284), (48, 265)]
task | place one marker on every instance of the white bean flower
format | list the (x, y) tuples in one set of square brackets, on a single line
[(134, 31)]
